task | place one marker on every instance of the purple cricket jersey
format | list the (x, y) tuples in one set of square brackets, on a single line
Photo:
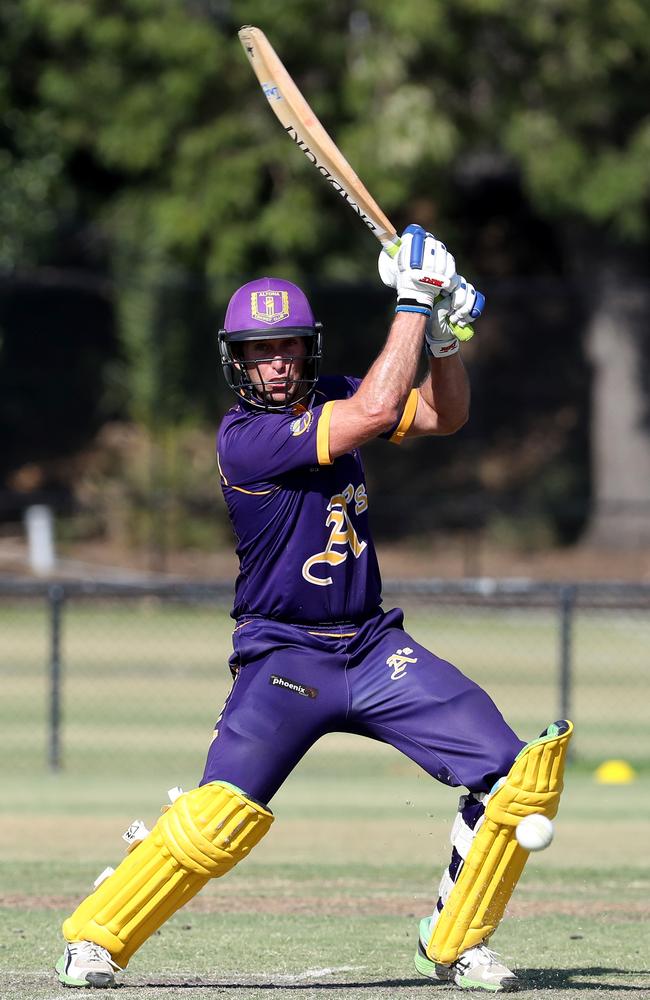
[(300, 519)]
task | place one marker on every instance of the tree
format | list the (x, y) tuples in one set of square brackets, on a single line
[(557, 92), (137, 125)]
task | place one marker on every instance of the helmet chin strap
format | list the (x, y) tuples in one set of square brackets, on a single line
[(264, 389)]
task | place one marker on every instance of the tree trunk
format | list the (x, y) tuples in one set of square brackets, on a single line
[(619, 350)]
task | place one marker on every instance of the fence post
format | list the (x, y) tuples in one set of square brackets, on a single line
[(566, 608), (55, 595)]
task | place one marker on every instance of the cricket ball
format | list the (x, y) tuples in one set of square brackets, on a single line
[(534, 833)]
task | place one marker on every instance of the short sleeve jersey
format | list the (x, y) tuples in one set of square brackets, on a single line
[(300, 518)]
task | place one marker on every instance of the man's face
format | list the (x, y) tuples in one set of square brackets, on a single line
[(275, 367)]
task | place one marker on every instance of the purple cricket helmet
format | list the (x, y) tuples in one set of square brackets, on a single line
[(268, 309)]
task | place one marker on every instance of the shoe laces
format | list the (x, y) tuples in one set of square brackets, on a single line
[(480, 954), (93, 952)]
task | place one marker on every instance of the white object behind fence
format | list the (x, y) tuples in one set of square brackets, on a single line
[(39, 524)]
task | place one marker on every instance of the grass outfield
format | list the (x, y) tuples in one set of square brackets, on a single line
[(143, 680), (327, 905)]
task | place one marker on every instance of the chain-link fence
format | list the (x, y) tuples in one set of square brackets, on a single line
[(99, 679)]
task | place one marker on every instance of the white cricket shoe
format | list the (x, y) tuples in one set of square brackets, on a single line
[(84, 963), (477, 968)]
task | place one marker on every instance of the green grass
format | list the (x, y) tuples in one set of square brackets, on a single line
[(328, 903), (144, 680)]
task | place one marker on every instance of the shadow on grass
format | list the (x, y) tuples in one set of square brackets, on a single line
[(588, 978), (574, 979), (307, 984)]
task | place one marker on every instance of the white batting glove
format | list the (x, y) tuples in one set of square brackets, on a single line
[(451, 319), (466, 304), (421, 270)]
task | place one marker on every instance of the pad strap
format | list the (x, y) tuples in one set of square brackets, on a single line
[(202, 836), (495, 860)]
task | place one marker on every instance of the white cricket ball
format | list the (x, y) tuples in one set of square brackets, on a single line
[(534, 833)]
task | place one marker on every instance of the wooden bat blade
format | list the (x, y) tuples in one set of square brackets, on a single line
[(303, 127)]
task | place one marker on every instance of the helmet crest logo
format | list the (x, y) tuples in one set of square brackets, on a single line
[(270, 306)]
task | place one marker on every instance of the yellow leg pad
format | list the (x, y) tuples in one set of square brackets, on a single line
[(204, 834), (495, 860)]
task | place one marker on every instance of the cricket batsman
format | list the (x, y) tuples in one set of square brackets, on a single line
[(313, 650)]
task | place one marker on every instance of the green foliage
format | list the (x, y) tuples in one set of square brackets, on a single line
[(160, 98), (31, 160), (141, 121)]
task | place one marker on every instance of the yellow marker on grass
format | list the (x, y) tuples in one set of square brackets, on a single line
[(615, 772)]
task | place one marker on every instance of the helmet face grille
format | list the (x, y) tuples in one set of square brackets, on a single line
[(246, 380)]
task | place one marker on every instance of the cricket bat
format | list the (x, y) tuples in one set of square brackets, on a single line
[(303, 127)]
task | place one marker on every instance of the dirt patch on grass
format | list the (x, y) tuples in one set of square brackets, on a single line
[(23, 901), (348, 905)]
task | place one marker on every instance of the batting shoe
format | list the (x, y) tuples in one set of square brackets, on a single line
[(84, 963), (424, 965), (477, 968)]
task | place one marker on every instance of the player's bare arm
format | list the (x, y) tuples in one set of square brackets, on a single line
[(380, 399), (444, 395), (443, 399), (422, 270)]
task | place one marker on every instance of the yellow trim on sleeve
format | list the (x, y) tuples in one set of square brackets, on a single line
[(225, 481), (323, 434), (254, 493), (240, 489), (408, 416)]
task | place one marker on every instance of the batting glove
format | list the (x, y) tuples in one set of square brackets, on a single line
[(451, 318), (421, 270)]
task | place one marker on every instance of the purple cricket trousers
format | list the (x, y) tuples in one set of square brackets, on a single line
[(295, 683)]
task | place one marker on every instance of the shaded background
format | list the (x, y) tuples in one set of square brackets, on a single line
[(144, 178)]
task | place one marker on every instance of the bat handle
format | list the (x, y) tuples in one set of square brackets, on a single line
[(391, 245)]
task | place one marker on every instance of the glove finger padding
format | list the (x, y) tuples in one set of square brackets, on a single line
[(451, 316), (442, 327), (421, 270), (466, 303), (424, 263)]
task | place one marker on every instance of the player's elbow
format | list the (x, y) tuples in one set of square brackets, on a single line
[(452, 422), (460, 421), (380, 416)]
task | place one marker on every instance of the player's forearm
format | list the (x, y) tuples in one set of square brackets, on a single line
[(379, 402), (390, 378), (446, 393)]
